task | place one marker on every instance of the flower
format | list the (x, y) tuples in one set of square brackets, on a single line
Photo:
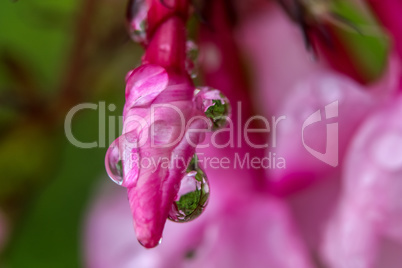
[(158, 131), (336, 199), (370, 210), (158, 117), (296, 89)]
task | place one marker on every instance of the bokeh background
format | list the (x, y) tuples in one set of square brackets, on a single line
[(54, 55)]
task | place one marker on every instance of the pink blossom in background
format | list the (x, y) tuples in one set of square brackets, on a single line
[(317, 92), (352, 104), (296, 88), (370, 211), (274, 45), (297, 93), (249, 229)]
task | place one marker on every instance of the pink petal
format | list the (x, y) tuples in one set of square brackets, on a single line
[(313, 150), (371, 210), (161, 131), (144, 84), (278, 56)]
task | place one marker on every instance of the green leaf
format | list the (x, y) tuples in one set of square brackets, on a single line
[(369, 48)]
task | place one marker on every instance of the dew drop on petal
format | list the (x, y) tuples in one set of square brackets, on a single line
[(192, 197), (122, 160), (214, 104), (192, 59), (114, 163), (137, 12)]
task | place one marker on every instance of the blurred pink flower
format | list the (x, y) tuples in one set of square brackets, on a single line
[(314, 151), (296, 141), (278, 58), (248, 229), (370, 210), (295, 88)]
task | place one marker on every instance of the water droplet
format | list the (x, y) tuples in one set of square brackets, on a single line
[(114, 164), (214, 104), (192, 58), (193, 194), (122, 160), (137, 12)]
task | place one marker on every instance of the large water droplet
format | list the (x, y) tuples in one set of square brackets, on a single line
[(137, 12), (193, 194), (122, 160), (114, 163), (214, 104), (192, 58)]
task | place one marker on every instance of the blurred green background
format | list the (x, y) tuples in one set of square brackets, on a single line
[(53, 56)]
